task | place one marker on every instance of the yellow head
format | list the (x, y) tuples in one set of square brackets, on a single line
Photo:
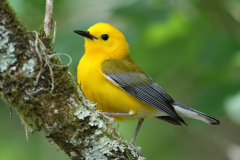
[(104, 39)]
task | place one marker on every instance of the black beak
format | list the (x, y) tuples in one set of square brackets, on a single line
[(85, 34)]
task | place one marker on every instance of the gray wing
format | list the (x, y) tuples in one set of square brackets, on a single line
[(145, 89)]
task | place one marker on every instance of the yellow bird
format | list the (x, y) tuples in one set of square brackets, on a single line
[(110, 78)]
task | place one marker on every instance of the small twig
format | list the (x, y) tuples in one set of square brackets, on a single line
[(51, 72), (58, 54), (48, 17), (11, 112), (75, 82), (43, 56), (26, 134), (54, 36), (40, 57)]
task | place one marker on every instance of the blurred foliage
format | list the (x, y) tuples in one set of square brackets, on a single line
[(190, 47)]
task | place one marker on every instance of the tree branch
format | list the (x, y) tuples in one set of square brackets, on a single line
[(48, 17), (63, 113)]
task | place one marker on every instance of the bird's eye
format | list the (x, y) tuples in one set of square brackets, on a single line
[(105, 37)]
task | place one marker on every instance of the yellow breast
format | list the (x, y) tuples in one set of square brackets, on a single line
[(108, 96)]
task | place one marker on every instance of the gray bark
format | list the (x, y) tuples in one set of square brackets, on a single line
[(46, 96)]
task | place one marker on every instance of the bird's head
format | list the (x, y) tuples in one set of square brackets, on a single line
[(104, 39)]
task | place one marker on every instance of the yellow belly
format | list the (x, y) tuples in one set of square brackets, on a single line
[(110, 97)]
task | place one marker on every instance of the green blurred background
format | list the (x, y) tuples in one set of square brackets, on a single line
[(190, 47)]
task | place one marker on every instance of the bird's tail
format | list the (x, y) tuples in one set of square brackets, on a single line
[(185, 111)]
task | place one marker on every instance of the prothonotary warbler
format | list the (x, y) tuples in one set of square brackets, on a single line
[(110, 78)]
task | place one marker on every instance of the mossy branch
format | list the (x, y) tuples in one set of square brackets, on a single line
[(66, 117)]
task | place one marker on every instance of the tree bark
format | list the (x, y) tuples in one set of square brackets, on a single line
[(47, 98)]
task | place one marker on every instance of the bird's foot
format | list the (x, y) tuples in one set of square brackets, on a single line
[(106, 114), (112, 120), (135, 148)]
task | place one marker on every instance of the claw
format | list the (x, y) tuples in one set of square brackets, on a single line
[(112, 120), (135, 148)]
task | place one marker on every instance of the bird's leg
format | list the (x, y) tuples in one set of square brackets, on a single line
[(107, 114), (135, 135)]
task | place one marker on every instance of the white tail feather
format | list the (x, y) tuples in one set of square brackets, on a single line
[(191, 113)]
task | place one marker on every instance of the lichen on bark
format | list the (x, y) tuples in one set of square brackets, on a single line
[(62, 112)]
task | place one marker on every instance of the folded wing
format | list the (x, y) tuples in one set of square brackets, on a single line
[(128, 75)]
